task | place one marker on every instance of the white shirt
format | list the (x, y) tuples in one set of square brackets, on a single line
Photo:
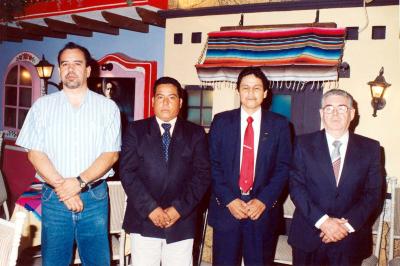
[(72, 138), (256, 128), (172, 122), (342, 150)]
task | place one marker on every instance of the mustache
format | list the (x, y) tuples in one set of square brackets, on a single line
[(71, 74)]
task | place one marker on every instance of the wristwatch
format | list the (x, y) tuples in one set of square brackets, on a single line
[(82, 183)]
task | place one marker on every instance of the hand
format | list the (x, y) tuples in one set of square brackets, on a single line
[(159, 218), (74, 203), (238, 209), (173, 215), (68, 188), (255, 208), (333, 230)]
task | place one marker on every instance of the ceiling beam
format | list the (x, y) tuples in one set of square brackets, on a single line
[(126, 23), (19, 33), (151, 17), (69, 28), (94, 25), (275, 26), (9, 38), (42, 30)]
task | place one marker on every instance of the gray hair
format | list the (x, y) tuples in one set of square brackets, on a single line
[(338, 92)]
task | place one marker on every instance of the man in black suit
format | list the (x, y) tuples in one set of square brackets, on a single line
[(250, 151), (336, 186), (165, 171)]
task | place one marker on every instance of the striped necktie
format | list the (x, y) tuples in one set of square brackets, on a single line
[(336, 159)]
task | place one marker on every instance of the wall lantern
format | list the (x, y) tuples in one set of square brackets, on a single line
[(45, 70), (378, 87)]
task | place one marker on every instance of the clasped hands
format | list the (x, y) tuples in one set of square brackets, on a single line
[(243, 210), (164, 218), (333, 230), (67, 190)]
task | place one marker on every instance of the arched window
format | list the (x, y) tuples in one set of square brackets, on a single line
[(21, 88)]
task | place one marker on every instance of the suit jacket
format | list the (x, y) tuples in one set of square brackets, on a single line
[(313, 190), (271, 171), (150, 182)]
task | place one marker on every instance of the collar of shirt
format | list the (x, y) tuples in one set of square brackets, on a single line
[(256, 116), (343, 148), (86, 98), (343, 139), (172, 122)]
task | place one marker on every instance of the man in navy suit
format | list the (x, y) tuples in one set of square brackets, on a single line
[(336, 186), (250, 151), (165, 171)]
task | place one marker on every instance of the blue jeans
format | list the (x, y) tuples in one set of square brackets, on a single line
[(62, 227)]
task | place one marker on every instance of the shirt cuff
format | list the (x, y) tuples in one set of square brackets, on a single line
[(321, 221), (349, 228)]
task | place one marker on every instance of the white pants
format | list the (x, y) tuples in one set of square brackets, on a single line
[(149, 251)]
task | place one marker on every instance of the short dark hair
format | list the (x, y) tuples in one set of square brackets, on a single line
[(72, 45), (168, 80), (338, 92), (256, 71)]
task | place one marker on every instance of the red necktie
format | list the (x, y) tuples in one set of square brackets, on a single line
[(247, 169)]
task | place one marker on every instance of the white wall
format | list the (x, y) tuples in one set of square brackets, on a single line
[(365, 56)]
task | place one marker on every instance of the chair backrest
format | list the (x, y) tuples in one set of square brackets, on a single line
[(394, 227), (117, 205), (10, 236), (397, 214), (288, 208), (3, 191)]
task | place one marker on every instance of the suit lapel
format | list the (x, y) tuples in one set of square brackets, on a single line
[(234, 135), (177, 143), (264, 145), (323, 158), (155, 143), (352, 156)]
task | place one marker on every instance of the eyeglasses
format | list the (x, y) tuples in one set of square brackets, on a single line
[(341, 109)]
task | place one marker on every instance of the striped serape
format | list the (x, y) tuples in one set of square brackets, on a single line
[(31, 199), (295, 54)]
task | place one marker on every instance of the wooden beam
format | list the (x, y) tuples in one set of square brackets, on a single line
[(280, 26), (42, 30), (19, 33), (151, 17), (94, 25), (126, 23), (69, 28), (9, 39)]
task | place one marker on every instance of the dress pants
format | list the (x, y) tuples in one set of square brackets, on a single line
[(247, 240), (150, 251), (325, 255)]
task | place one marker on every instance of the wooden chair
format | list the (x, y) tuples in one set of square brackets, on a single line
[(283, 252), (377, 229), (117, 210), (3, 191), (394, 224), (10, 236)]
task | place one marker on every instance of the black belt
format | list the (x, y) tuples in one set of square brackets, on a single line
[(89, 186)]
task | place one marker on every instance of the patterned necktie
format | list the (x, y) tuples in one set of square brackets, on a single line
[(247, 169), (166, 139), (336, 159)]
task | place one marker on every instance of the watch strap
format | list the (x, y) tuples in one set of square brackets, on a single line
[(82, 183)]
